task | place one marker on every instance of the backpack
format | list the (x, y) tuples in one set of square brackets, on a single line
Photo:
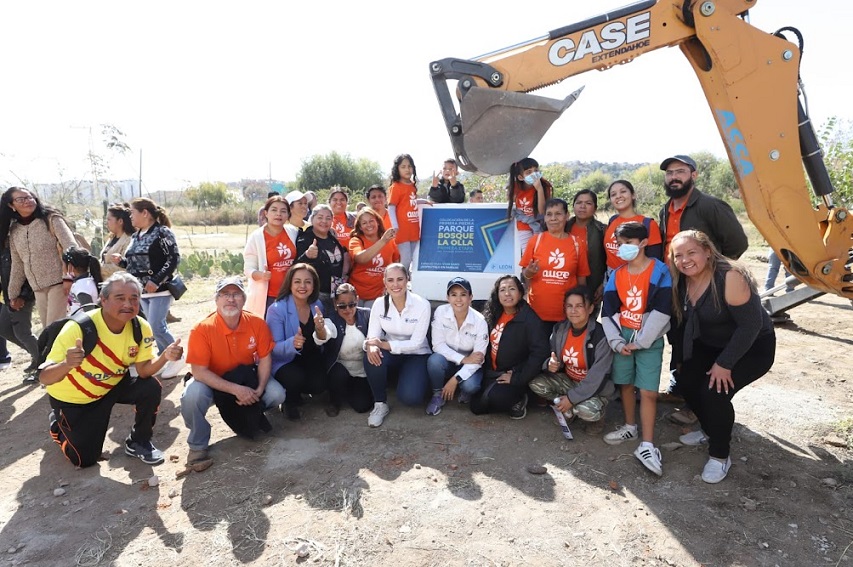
[(87, 326), (647, 222)]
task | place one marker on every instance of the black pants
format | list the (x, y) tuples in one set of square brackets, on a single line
[(496, 398), (16, 327), (714, 410), (354, 389), (80, 429), (302, 375)]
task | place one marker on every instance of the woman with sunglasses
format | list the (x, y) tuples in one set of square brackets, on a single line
[(344, 353)]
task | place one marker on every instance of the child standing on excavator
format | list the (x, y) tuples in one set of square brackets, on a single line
[(527, 192)]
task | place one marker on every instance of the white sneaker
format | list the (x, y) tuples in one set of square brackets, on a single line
[(377, 416), (649, 455), (694, 438), (172, 368), (716, 470), (623, 433)]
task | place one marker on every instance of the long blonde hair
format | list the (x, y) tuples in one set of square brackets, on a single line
[(716, 262)]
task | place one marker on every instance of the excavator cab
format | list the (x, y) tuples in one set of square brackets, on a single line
[(494, 128)]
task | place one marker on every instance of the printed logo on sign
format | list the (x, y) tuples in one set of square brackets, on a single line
[(557, 259), (605, 42), (635, 299), (283, 251)]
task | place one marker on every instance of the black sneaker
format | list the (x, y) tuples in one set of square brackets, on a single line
[(519, 409), (31, 376), (145, 452)]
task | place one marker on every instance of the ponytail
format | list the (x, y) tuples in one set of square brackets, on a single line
[(95, 270)]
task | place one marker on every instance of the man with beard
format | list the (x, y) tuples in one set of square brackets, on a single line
[(223, 349), (690, 209)]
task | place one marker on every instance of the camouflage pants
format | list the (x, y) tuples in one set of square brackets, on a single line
[(550, 385)]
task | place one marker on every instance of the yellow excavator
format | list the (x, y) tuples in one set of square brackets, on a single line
[(751, 81)]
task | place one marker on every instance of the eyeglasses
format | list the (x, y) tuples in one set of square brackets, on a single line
[(678, 172), (236, 295), (22, 200), (343, 306)]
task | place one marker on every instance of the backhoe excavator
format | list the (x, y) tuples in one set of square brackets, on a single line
[(750, 79)]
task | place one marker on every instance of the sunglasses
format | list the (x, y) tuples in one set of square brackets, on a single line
[(346, 305)]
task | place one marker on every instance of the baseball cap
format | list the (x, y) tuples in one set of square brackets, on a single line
[(236, 281), (293, 196), (461, 282), (684, 159)]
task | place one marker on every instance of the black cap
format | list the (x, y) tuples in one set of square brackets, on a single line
[(684, 159), (461, 282)]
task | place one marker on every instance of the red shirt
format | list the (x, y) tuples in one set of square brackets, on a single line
[(561, 261), (214, 345), (281, 253), (574, 357), (524, 204), (495, 336), (368, 278), (673, 226), (633, 290), (610, 245), (404, 196)]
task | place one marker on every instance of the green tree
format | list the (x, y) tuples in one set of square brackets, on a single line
[(211, 195), (837, 140), (561, 177), (597, 181), (324, 171), (722, 182), (648, 185)]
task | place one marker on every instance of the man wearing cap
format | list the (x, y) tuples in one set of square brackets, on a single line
[(460, 336), (298, 209), (218, 344), (690, 209)]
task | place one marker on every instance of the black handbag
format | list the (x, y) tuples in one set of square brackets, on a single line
[(176, 287)]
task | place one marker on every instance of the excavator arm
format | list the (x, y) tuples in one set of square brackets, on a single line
[(751, 82)]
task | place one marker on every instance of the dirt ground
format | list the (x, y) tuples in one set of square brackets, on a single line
[(453, 489)]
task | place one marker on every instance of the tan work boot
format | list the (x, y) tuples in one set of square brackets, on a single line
[(198, 460)]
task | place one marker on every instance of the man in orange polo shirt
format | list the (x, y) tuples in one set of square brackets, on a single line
[(219, 343)]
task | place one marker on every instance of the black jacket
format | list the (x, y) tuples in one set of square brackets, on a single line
[(523, 348), (446, 193), (331, 273), (599, 360), (715, 218), (6, 272), (333, 347), (245, 421), (595, 252)]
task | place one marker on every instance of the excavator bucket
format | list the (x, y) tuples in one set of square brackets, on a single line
[(502, 127)]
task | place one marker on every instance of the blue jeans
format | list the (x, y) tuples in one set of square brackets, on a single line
[(440, 369), (155, 309), (197, 399), (774, 263), (413, 383)]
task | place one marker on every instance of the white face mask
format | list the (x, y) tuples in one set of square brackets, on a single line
[(531, 179)]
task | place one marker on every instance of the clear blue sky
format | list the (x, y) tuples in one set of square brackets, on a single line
[(219, 91)]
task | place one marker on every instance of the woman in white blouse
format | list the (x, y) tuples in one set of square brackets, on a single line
[(397, 341), (459, 340)]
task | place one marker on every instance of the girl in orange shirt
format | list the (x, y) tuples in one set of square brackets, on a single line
[(403, 207), (527, 192), (623, 198)]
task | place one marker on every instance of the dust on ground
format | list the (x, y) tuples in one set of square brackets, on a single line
[(454, 489)]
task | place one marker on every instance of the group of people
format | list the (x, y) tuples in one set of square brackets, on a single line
[(317, 316)]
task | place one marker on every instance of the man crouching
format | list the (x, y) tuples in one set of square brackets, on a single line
[(223, 350), (83, 387)]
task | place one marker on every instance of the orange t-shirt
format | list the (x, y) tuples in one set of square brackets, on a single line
[(673, 226), (524, 204), (579, 232), (214, 345), (574, 357), (339, 227), (633, 290), (404, 196), (495, 336), (281, 253), (561, 262), (368, 278), (610, 245)]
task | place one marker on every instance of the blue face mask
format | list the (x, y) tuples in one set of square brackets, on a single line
[(531, 179), (628, 252)]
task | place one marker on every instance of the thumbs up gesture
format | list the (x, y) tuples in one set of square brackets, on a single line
[(74, 356), (553, 363), (313, 250), (174, 351), (319, 324), (298, 339)]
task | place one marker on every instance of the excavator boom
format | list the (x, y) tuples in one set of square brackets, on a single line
[(751, 82)]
